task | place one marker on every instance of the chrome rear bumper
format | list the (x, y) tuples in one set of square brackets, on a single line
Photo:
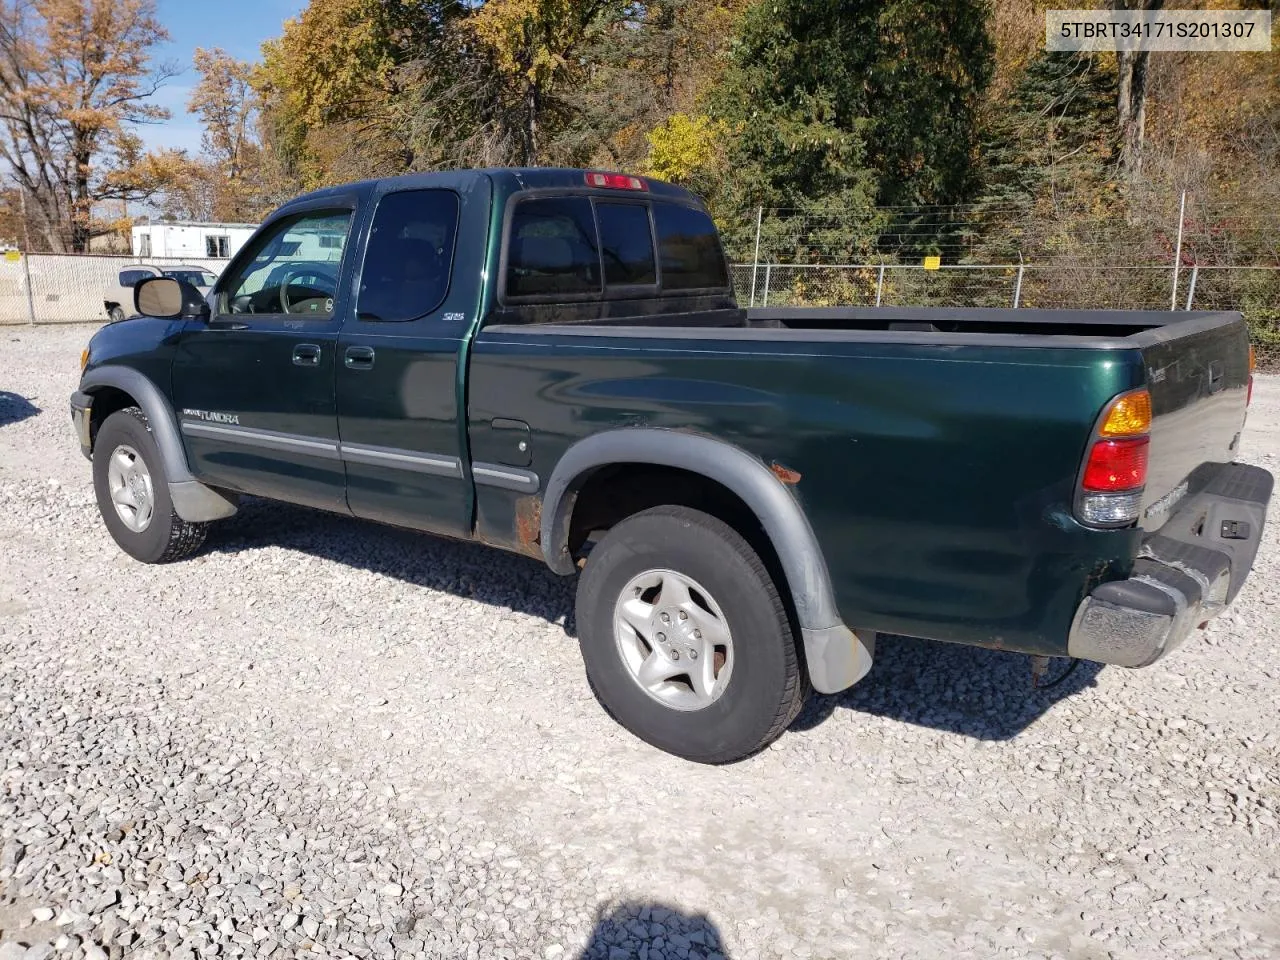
[(1186, 574)]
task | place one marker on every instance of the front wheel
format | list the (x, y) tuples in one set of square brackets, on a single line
[(685, 638), (115, 314), (133, 497)]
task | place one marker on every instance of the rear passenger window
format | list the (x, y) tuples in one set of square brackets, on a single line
[(626, 243), (553, 248), (689, 248), (131, 278), (409, 256)]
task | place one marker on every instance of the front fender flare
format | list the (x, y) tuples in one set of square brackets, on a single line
[(192, 500), (836, 656)]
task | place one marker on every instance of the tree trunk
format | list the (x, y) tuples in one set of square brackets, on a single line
[(81, 204), (1131, 96), (531, 125)]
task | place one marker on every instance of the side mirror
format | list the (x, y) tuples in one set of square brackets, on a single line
[(169, 299)]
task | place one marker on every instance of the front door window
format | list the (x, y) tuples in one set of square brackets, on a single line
[(293, 268)]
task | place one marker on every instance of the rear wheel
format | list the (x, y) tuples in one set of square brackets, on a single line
[(133, 497), (115, 314), (685, 638)]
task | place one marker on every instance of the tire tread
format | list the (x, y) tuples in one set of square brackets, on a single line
[(185, 537), (796, 688)]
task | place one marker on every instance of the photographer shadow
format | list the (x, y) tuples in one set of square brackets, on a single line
[(652, 931)]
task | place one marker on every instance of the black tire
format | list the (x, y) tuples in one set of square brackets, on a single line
[(115, 314), (766, 688), (167, 536)]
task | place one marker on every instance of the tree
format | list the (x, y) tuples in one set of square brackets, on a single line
[(75, 74), (834, 106), (1131, 95), (1048, 150), (649, 71), (232, 180), (336, 95), (788, 143), (223, 100)]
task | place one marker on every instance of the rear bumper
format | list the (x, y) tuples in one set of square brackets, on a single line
[(1185, 574), (81, 406)]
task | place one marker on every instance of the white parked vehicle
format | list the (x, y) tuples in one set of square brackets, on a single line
[(118, 299)]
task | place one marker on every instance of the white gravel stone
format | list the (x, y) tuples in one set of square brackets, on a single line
[(193, 755)]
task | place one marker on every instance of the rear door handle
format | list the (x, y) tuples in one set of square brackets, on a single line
[(306, 355), (359, 358)]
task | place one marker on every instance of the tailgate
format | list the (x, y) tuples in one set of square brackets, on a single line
[(1198, 373)]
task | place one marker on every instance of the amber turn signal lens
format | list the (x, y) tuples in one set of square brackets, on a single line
[(84, 359), (1129, 416)]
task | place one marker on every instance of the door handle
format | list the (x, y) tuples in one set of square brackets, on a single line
[(306, 355), (359, 358)]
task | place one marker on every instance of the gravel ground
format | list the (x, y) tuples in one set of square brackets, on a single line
[(326, 737)]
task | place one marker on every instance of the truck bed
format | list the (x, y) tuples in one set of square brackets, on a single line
[(1101, 327), (938, 449)]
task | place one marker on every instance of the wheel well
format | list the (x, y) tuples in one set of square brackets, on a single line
[(106, 401), (615, 492)]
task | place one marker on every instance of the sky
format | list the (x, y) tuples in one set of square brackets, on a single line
[(237, 26)]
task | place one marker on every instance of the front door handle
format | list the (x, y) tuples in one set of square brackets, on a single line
[(359, 358), (306, 355)]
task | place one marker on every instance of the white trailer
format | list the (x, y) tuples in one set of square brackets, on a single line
[(187, 239)]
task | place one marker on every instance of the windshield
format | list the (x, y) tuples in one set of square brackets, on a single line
[(197, 278)]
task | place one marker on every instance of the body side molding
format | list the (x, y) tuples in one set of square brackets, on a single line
[(836, 656)]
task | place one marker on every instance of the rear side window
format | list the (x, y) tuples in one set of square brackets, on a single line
[(553, 248), (409, 256), (131, 278), (689, 248), (626, 243)]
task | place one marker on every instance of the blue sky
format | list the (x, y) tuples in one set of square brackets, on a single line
[(237, 26)]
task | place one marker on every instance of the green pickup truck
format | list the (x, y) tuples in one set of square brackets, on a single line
[(552, 362)]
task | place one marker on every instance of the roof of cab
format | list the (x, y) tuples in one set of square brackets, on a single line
[(517, 178)]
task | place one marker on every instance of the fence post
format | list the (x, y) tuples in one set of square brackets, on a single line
[(755, 263), (880, 285), (768, 270), (1191, 290), (1017, 288), (26, 273), (1177, 253)]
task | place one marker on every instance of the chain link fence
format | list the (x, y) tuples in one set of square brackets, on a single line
[(71, 288), (1254, 291)]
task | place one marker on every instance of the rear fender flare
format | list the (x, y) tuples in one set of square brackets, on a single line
[(836, 656)]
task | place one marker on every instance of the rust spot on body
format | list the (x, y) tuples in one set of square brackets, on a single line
[(529, 522), (785, 474)]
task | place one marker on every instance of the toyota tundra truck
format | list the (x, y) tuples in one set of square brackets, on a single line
[(552, 362)]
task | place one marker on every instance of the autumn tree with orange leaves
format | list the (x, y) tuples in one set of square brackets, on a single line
[(75, 78)]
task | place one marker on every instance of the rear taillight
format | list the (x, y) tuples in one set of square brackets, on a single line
[(1115, 472), (1116, 465)]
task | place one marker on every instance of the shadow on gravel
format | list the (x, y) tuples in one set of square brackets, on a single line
[(467, 570), (654, 932), (985, 694), (15, 409)]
